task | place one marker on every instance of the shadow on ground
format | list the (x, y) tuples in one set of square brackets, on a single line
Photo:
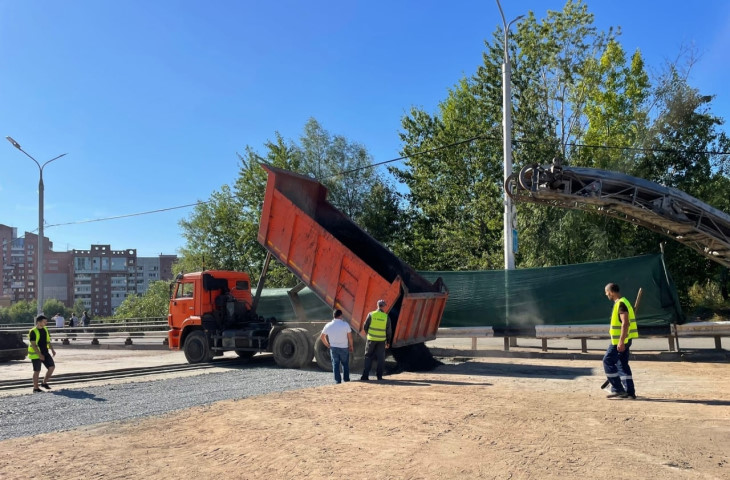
[(523, 371), (78, 394)]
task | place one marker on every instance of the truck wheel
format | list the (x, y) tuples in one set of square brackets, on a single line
[(290, 348), (357, 358), (322, 355), (306, 337), (196, 348)]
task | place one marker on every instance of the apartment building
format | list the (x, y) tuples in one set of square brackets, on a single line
[(153, 269), (19, 259), (101, 277)]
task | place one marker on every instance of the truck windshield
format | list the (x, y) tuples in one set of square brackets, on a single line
[(184, 290)]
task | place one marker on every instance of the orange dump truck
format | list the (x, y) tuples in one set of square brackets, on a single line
[(215, 311), (342, 264)]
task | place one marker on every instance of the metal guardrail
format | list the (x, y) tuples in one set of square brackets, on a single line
[(123, 330), (106, 322), (130, 330), (715, 330)]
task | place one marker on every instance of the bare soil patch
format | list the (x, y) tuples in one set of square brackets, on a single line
[(489, 418)]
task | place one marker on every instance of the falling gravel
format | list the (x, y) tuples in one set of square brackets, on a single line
[(70, 408)]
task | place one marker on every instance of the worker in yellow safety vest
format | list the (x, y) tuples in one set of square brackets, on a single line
[(623, 330), (40, 342), (379, 334)]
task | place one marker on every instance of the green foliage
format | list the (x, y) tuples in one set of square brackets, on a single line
[(456, 194), (22, 312), (154, 303), (25, 311), (52, 306), (575, 94), (5, 316), (707, 297), (78, 307), (382, 216), (221, 233)]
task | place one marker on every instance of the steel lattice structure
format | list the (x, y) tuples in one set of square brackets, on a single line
[(665, 210)]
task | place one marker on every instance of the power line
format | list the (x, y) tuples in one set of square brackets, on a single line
[(443, 147), (414, 155), (128, 215)]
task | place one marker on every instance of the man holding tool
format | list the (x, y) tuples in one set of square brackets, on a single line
[(623, 330)]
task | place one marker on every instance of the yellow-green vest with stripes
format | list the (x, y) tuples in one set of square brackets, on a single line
[(378, 324), (33, 354), (615, 330)]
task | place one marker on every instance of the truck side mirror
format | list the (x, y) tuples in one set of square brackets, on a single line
[(209, 282)]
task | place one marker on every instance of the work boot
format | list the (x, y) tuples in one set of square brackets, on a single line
[(618, 395)]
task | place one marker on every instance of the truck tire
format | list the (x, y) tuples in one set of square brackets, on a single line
[(357, 357), (322, 356), (306, 337), (196, 348), (290, 348)]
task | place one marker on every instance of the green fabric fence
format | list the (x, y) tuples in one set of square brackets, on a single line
[(522, 298), (563, 295)]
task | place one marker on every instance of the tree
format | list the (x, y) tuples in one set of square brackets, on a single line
[(221, 233), (455, 187), (382, 216), (52, 306), (679, 146), (23, 311), (79, 307), (154, 303)]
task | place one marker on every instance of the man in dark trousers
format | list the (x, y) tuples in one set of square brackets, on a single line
[(379, 335), (40, 343), (623, 330)]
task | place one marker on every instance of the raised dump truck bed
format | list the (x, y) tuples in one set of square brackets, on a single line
[(341, 263)]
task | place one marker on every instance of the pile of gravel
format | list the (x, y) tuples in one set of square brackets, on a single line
[(70, 408)]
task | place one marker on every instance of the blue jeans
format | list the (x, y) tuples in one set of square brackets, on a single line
[(618, 371), (340, 356)]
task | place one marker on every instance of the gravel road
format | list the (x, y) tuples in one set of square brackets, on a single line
[(69, 408)]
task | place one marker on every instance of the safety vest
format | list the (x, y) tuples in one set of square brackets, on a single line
[(378, 324), (35, 354), (615, 329)]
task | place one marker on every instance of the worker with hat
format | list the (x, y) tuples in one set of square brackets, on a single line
[(379, 334)]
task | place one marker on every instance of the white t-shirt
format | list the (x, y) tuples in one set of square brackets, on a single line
[(59, 321), (336, 332)]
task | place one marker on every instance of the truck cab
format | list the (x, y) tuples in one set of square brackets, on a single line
[(212, 312)]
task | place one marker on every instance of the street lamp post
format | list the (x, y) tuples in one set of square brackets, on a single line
[(509, 214), (39, 275)]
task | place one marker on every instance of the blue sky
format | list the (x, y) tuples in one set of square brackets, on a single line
[(152, 99)]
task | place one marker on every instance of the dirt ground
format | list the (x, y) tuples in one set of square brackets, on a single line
[(501, 418)]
